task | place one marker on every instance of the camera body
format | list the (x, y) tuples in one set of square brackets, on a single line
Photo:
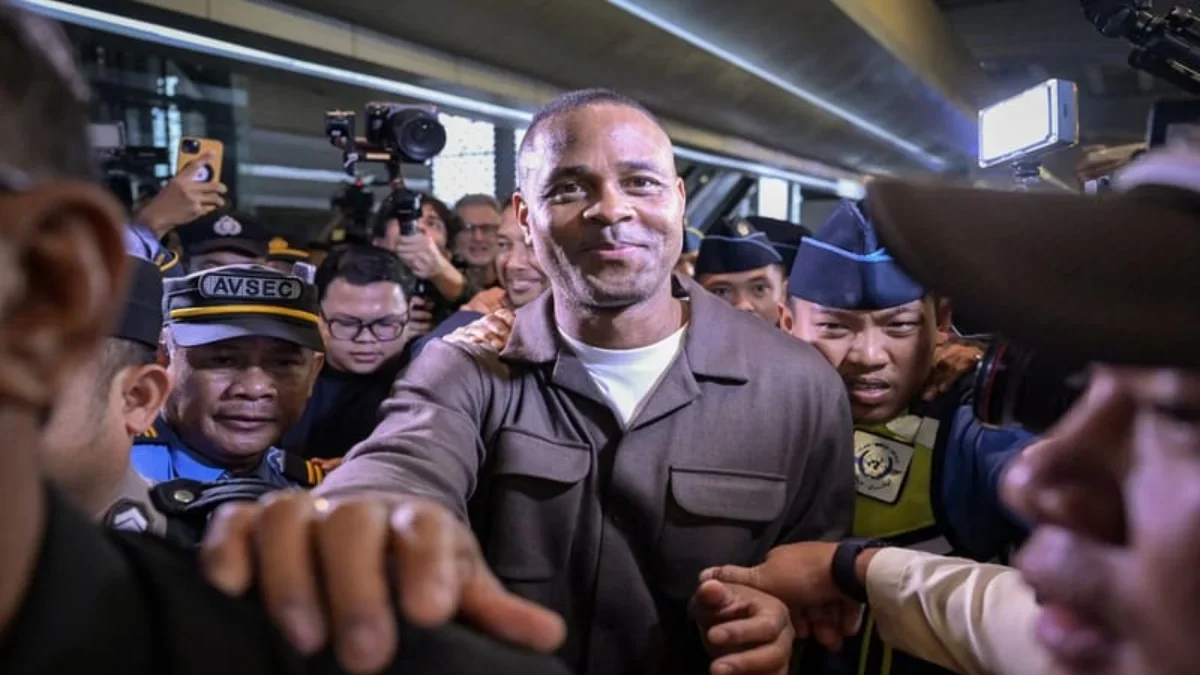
[(394, 134)]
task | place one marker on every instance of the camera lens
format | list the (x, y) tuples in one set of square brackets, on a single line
[(1017, 386), (419, 136), (191, 146)]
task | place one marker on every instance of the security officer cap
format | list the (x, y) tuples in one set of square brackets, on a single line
[(241, 301), (734, 245), (219, 231), (784, 236), (142, 318), (280, 249), (843, 266)]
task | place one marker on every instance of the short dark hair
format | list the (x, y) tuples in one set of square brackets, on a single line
[(117, 354), (43, 100), (479, 199), (359, 265), (572, 101)]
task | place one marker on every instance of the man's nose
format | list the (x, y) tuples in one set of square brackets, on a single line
[(742, 301), (867, 350), (611, 206), (254, 383), (1073, 476)]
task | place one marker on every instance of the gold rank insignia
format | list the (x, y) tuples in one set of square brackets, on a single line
[(743, 228)]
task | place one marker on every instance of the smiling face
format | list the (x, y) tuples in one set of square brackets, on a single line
[(603, 204), (233, 399), (516, 267)]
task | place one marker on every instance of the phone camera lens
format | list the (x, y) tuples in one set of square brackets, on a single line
[(191, 146)]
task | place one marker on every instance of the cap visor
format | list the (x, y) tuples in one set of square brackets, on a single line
[(200, 334), (1109, 279)]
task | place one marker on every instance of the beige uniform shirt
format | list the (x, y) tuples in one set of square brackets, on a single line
[(970, 617)]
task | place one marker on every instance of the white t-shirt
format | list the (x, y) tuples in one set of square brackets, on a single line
[(627, 376)]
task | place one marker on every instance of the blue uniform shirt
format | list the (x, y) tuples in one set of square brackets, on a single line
[(160, 456)]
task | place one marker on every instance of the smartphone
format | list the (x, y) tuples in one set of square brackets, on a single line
[(191, 148)]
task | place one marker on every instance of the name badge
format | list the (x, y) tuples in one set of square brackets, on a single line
[(231, 287), (880, 466)]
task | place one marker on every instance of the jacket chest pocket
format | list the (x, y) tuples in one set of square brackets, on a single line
[(716, 517), (536, 496)]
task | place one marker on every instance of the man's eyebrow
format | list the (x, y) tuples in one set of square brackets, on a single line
[(576, 171), (640, 165)]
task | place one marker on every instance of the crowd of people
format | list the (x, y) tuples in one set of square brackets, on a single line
[(563, 432)]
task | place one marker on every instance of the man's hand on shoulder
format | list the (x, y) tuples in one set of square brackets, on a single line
[(490, 332), (324, 572), (746, 631)]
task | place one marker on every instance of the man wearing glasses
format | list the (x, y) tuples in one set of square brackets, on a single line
[(366, 321)]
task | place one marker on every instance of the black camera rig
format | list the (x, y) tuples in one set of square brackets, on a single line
[(1167, 47)]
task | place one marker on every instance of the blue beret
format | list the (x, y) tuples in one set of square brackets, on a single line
[(843, 266), (734, 245)]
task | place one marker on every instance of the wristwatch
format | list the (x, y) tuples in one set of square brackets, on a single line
[(845, 576)]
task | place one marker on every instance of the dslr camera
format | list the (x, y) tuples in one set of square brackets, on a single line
[(394, 135), (128, 169)]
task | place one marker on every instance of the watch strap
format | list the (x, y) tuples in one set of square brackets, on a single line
[(845, 574)]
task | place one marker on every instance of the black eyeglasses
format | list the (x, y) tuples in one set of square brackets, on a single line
[(387, 329)]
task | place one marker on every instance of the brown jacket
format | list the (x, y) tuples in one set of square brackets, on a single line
[(744, 445)]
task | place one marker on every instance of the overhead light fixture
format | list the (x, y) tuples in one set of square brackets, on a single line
[(181, 39), (911, 149)]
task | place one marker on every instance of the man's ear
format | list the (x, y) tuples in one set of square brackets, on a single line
[(522, 210), (62, 266), (144, 390), (786, 319)]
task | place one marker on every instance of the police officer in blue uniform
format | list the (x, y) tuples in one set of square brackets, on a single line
[(926, 471), (222, 238), (245, 351), (740, 264)]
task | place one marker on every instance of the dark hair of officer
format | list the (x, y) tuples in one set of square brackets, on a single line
[(359, 265)]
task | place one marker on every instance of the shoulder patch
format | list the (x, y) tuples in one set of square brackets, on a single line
[(127, 515), (490, 332)]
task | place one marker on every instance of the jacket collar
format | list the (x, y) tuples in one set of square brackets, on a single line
[(710, 351)]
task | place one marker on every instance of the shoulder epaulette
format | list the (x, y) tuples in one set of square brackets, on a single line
[(301, 471)]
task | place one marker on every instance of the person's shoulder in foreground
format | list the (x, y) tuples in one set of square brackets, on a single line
[(139, 605)]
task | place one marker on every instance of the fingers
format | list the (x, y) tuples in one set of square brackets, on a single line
[(227, 553), (424, 540), (773, 657), (352, 541), (825, 625), (283, 540), (1080, 573), (754, 630), (732, 574), (495, 611)]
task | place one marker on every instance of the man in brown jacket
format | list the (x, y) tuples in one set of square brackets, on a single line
[(619, 435)]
